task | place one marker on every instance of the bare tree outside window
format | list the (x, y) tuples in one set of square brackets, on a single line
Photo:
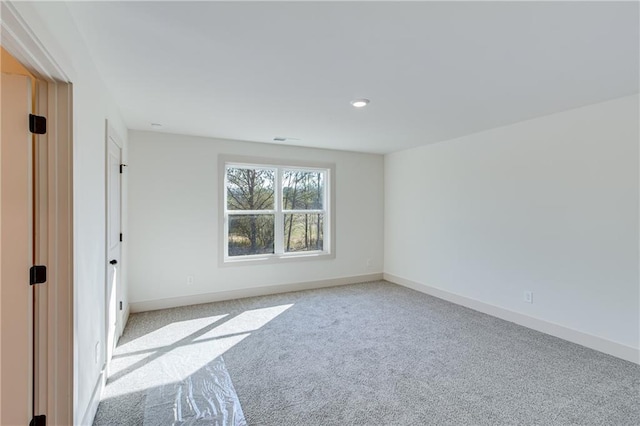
[(303, 190), (274, 210), (250, 190)]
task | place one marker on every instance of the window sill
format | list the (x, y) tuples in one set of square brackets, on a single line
[(275, 258)]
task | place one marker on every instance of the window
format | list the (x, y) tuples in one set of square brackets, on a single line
[(276, 212)]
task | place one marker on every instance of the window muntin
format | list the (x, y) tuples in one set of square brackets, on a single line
[(250, 188), (303, 208), (302, 189), (250, 234), (303, 232), (275, 212)]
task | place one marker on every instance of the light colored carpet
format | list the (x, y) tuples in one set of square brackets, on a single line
[(364, 354)]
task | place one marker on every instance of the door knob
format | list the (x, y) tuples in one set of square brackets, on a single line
[(113, 262)]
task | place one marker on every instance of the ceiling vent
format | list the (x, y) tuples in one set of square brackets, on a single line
[(283, 139)]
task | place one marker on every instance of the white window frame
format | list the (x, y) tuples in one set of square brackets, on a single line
[(279, 255)]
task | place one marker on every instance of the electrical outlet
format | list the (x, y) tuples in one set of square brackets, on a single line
[(528, 296), (190, 279), (369, 263)]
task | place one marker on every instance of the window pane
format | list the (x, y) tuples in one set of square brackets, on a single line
[(303, 190), (250, 189), (303, 232), (250, 234)]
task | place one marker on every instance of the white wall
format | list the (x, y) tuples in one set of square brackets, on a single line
[(548, 205), (174, 216), (92, 105)]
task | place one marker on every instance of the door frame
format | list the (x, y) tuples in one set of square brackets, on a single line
[(57, 295)]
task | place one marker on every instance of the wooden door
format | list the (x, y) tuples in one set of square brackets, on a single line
[(114, 217), (16, 252)]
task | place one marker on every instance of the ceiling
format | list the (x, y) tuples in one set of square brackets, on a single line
[(432, 70)]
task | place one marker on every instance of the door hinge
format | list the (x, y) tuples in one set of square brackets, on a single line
[(122, 166), (40, 420), (121, 305), (37, 274), (121, 237), (37, 124)]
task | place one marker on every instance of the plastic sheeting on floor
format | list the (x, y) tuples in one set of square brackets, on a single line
[(206, 397)]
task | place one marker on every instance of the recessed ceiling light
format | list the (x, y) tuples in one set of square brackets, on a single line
[(156, 125), (360, 103)]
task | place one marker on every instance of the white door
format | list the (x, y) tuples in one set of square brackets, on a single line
[(113, 297), (16, 252)]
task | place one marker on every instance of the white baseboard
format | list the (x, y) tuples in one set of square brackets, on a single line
[(174, 302), (609, 347), (92, 408)]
